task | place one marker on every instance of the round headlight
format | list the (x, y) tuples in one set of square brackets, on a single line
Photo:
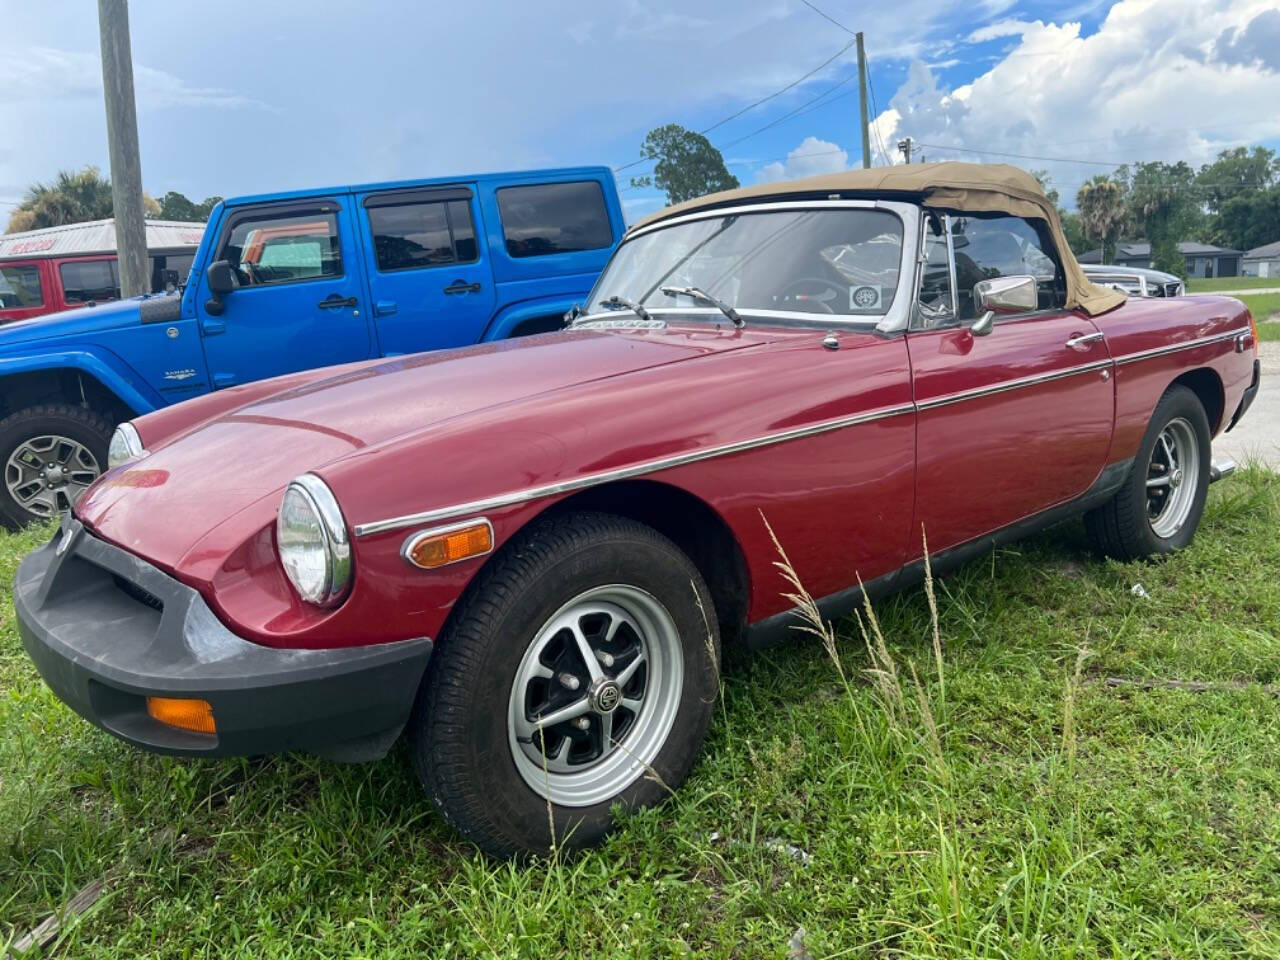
[(311, 537), (125, 445)]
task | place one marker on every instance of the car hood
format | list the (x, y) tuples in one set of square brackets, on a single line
[(83, 320), (163, 505)]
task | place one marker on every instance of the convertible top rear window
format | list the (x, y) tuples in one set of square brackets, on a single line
[(814, 261)]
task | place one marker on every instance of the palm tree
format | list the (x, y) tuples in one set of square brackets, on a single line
[(72, 197), (1101, 203)]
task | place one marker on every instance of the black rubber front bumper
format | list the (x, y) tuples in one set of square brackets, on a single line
[(107, 629)]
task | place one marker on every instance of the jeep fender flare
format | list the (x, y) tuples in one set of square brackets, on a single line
[(506, 320), (108, 369)]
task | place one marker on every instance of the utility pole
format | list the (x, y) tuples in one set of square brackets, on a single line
[(122, 142), (905, 147), (862, 103)]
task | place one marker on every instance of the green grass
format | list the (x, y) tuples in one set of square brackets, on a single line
[(1025, 809), (1196, 285)]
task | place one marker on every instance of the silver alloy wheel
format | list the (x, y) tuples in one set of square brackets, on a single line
[(1172, 477), (595, 696), (47, 474)]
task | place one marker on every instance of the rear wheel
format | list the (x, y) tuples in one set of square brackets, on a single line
[(579, 673), (51, 454), (1158, 509)]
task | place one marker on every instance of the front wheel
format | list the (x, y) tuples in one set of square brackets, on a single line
[(1158, 509), (580, 672), (51, 453)]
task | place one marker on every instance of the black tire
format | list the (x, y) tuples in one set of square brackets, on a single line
[(91, 430), (459, 731), (1120, 528)]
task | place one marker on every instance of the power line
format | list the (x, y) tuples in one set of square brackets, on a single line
[(827, 17), (752, 106), (875, 127)]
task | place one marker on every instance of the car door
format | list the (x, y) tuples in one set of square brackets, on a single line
[(1013, 422), (429, 277), (297, 304)]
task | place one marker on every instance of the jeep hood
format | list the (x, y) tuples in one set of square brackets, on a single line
[(230, 471), (79, 322)]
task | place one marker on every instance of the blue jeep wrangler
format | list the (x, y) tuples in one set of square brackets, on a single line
[(287, 282)]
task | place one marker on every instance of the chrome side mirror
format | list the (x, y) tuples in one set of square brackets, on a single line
[(1002, 295)]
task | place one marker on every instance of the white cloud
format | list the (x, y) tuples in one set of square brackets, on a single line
[(1150, 84), (812, 158), (1001, 28), (47, 73)]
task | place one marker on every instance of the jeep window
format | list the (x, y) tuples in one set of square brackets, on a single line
[(90, 280), (284, 248), (426, 234), (831, 261), (988, 246), (554, 218), (20, 286), (169, 270)]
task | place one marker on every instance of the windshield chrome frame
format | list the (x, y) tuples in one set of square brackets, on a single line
[(894, 321)]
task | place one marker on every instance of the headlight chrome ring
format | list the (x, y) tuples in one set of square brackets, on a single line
[(125, 445), (312, 541)]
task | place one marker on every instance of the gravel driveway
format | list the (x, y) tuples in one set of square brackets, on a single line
[(1257, 435)]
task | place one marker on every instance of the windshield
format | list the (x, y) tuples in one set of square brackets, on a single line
[(841, 261)]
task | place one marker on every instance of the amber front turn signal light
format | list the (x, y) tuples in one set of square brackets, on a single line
[(445, 545), (193, 715)]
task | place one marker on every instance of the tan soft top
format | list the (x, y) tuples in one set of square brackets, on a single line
[(972, 187)]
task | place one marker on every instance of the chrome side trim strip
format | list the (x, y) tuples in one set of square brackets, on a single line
[(1006, 385), (1189, 345), (514, 497)]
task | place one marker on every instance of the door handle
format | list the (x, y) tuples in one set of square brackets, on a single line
[(1081, 341), (461, 286), (334, 302)]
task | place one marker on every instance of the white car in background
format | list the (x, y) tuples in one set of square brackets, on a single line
[(1135, 281)]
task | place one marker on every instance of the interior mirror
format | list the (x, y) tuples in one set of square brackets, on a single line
[(1002, 295), (222, 280)]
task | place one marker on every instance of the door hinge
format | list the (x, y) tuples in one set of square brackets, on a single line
[(224, 380), (210, 327)]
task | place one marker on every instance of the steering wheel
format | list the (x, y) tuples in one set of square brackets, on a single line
[(831, 292)]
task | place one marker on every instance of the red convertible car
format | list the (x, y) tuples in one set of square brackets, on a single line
[(525, 555)]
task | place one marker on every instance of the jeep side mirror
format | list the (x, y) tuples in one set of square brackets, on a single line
[(1002, 295), (221, 282)]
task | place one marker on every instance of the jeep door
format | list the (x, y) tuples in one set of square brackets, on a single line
[(297, 303), (429, 277)]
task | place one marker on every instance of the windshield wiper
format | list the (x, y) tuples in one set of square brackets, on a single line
[(621, 303), (698, 294)]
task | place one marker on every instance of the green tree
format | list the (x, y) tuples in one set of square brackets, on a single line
[(1248, 220), (1236, 173), (688, 165), (1163, 205), (71, 197), (1073, 230), (175, 206), (1103, 212)]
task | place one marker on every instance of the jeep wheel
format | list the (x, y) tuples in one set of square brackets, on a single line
[(579, 673), (51, 453)]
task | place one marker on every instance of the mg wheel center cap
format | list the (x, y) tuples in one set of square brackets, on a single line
[(605, 696), (1175, 480)]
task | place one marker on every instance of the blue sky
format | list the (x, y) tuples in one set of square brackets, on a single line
[(239, 97)]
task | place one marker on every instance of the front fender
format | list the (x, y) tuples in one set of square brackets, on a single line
[(103, 365)]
